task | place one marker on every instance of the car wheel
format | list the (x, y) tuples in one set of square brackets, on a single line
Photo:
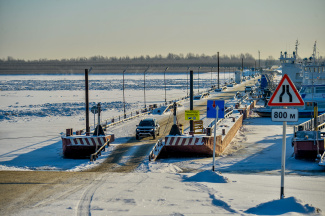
[(154, 136), (137, 137)]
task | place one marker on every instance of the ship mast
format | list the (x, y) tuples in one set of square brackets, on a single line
[(296, 47), (314, 52)]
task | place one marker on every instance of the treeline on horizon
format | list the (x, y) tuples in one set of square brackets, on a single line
[(171, 57), (176, 63)]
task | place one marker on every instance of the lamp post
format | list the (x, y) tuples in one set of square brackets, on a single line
[(198, 80), (211, 77), (218, 73), (165, 82), (144, 86), (123, 93), (187, 79)]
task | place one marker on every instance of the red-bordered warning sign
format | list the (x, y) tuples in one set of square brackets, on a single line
[(286, 94)]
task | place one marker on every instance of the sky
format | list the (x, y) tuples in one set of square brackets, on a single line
[(57, 29)]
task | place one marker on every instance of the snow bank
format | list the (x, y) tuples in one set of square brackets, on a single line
[(283, 206), (207, 176)]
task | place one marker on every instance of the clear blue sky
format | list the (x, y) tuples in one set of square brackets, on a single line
[(56, 29)]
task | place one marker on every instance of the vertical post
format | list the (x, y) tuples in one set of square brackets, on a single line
[(191, 99), (211, 77), (259, 60), (283, 159), (242, 65), (98, 110), (165, 83), (215, 138), (187, 80), (218, 73), (124, 95), (87, 101), (144, 87), (198, 80)]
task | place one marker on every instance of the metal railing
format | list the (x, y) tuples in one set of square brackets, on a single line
[(310, 124), (95, 155), (156, 150)]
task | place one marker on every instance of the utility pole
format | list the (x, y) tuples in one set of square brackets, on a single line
[(218, 73), (191, 99), (187, 79), (211, 77), (198, 80), (165, 82), (123, 93), (259, 60), (87, 101), (144, 87)]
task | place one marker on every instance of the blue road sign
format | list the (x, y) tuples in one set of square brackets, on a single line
[(212, 108)]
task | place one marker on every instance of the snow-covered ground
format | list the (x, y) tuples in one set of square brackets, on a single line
[(36, 109), (247, 181)]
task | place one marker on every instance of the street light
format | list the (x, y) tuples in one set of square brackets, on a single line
[(144, 86), (187, 79), (211, 77), (165, 82), (198, 80), (123, 93)]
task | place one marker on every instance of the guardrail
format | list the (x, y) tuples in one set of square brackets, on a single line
[(95, 155), (121, 118), (309, 125)]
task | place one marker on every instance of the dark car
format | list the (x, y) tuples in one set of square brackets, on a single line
[(147, 127)]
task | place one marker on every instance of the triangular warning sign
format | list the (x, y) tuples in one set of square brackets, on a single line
[(286, 94)]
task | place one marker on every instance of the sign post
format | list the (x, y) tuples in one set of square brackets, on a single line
[(285, 95), (215, 109)]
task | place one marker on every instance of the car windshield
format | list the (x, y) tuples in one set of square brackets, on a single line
[(147, 123)]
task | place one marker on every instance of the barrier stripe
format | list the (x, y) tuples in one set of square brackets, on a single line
[(90, 141), (183, 141), (96, 141)]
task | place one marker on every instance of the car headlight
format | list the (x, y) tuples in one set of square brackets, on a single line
[(137, 130), (151, 129)]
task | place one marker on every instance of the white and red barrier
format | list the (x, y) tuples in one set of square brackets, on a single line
[(183, 141), (187, 145), (82, 145)]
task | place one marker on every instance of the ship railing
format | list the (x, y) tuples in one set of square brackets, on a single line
[(310, 124), (228, 112)]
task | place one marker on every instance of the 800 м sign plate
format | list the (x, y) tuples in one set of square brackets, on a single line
[(288, 115)]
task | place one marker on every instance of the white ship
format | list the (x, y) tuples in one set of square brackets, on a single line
[(292, 67)]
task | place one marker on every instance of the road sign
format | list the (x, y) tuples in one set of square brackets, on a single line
[(212, 108), (280, 115), (192, 115), (286, 94), (94, 109)]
